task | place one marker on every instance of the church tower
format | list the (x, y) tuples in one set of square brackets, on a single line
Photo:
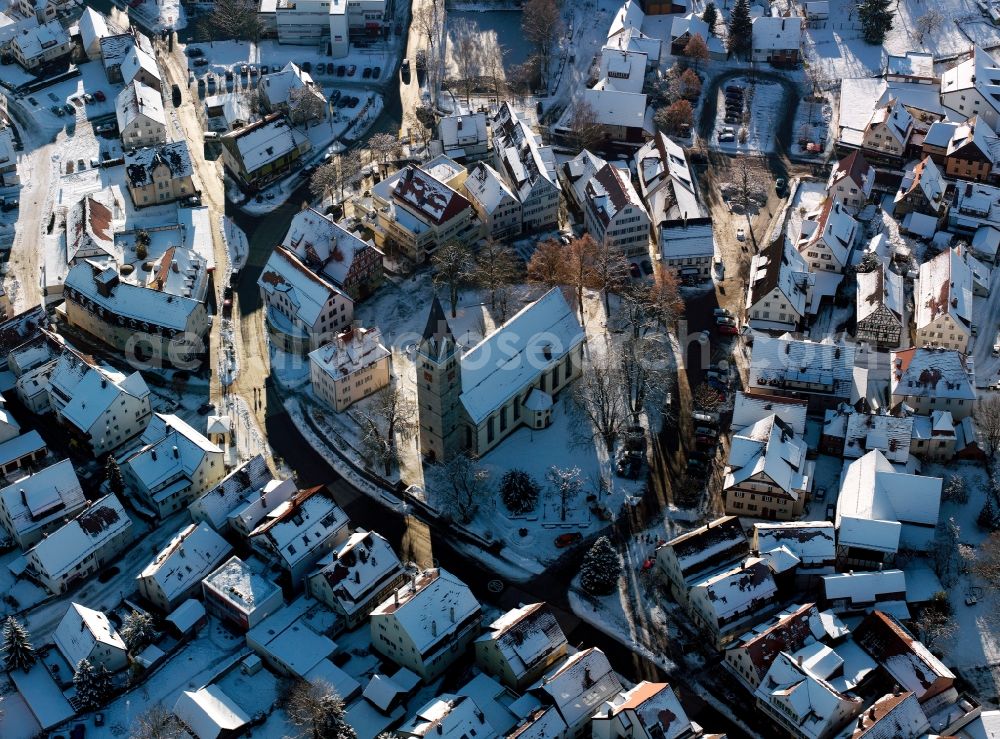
[(439, 385)]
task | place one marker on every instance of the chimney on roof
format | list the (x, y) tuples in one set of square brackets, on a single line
[(176, 453), (460, 123), (153, 454), (434, 628), (451, 612)]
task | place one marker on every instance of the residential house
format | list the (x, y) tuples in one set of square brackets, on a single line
[(684, 27), (208, 713), (776, 39), (86, 634), (621, 69), (496, 204), (263, 151), (114, 47), (943, 301), (916, 67), (242, 498), (36, 47), (304, 309), (141, 120), (687, 559), (666, 183), (529, 168), (176, 572), (974, 213), (922, 192), (851, 432), (279, 90), (625, 30), (293, 642), (802, 703), (21, 452), (688, 247), (415, 213), (329, 249), (81, 547), (173, 465), (725, 603), (621, 114), (140, 66), (749, 408), (494, 391), (8, 158), (521, 645), (574, 176), (823, 372), (938, 139), (238, 595), (851, 181), (357, 577), (928, 379), (973, 152), (779, 287), (898, 711), (970, 88), (882, 509), (39, 503), (647, 711), (9, 427), (908, 662), (350, 368), (827, 237), (32, 363), (464, 136), (427, 623), (857, 592), (888, 132), (614, 213), (296, 534), (93, 27), (811, 543), (879, 307), (767, 474), (751, 655), (448, 715), (89, 231), (227, 112), (159, 174), (16, 330), (576, 689)]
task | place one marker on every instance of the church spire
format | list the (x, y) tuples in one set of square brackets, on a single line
[(437, 338)]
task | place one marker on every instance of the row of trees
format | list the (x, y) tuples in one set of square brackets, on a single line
[(494, 268)]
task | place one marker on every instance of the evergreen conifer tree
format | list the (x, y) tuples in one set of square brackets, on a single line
[(18, 654), (518, 491), (740, 28), (113, 474), (876, 20), (601, 568), (710, 16)]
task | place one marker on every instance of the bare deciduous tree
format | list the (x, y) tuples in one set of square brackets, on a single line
[(466, 52), (936, 624), (705, 398), (610, 272), (383, 146), (156, 722), (451, 270), (545, 265), (643, 366), (305, 104), (598, 396), (236, 19), (567, 482), (542, 25), (585, 130), (460, 484), (316, 709), (495, 268), (749, 183), (987, 562), (388, 417), (664, 303), (987, 416), (329, 177), (928, 23)]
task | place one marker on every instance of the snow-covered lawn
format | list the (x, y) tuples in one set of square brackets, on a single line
[(765, 101), (812, 125)]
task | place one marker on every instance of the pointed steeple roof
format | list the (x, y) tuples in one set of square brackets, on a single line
[(437, 335)]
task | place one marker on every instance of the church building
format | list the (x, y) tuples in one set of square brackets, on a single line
[(470, 402)]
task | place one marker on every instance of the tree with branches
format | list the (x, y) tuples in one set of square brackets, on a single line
[(388, 417), (137, 630), (750, 189), (330, 177), (461, 486), (740, 34), (601, 569), (696, 50), (578, 269), (305, 104), (18, 653), (987, 562), (936, 624), (113, 475), (690, 85), (496, 267), (156, 722), (711, 16), (585, 130), (451, 269), (384, 147), (466, 45), (94, 685), (987, 416), (705, 398), (610, 272), (493, 69), (928, 24), (644, 375), (876, 18), (519, 491), (945, 552), (598, 397), (542, 25), (955, 490), (318, 711), (664, 304), (567, 484), (675, 118), (236, 19), (545, 265)]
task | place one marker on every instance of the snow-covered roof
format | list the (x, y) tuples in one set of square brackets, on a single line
[(323, 245), (894, 714), (863, 431), (305, 290), (208, 712), (360, 568), (103, 520), (237, 584), (654, 706), (880, 287), (27, 443), (93, 27), (787, 631), (141, 163), (944, 286), (906, 659), (462, 129), (633, 39), (288, 636), (623, 69), (138, 99), (629, 15), (609, 191), (981, 73), (115, 47), (896, 119), (932, 373), (872, 490), (351, 351), (923, 177), (777, 33), (809, 702), (910, 64), (813, 542), (89, 230), (687, 238), (171, 450), (266, 141), (193, 552), (579, 685), (975, 134), (537, 336), (242, 484), (449, 716), (82, 391), (666, 180), (35, 41), (769, 449), (141, 304), (779, 265), (278, 86), (855, 168), (429, 199), (803, 364), (832, 226), (82, 629), (857, 96), (578, 171), (751, 407), (430, 607), (186, 615), (940, 134), (486, 187), (732, 591), (520, 154), (525, 636), (298, 527), (719, 543), (40, 498), (690, 23), (613, 107), (136, 61), (42, 695), (863, 588)]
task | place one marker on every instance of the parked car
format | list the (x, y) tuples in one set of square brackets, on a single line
[(80, 165), (568, 540), (70, 110), (781, 186), (376, 73), (175, 95), (341, 70), (728, 330), (722, 312), (191, 201), (245, 70), (351, 70), (229, 74), (194, 51), (201, 62), (205, 408), (335, 97), (724, 137), (647, 266), (734, 88), (731, 119), (106, 128), (88, 98), (57, 109), (831, 511), (9, 204), (367, 73), (633, 269), (741, 235)]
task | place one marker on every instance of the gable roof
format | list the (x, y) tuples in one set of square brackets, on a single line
[(138, 99), (80, 630), (579, 685), (777, 33), (810, 541), (923, 176), (654, 706), (361, 566), (190, 556), (609, 191), (101, 521), (787, 631), (141, 163), (717, 544), (944, 286), (208, 712), (856, 168), (304, 289), (981, 72), (769, 448), (909, 662), (264, 141), (879, 288), (744, 586), (525, 636), (434, 201), (136, 60), (666, 180), (894, 714), (301, 525), (42, 497), (895, 117), (323, 244), (832, 226), (89, 229), (974, 135), (485, 186), (932, 373), (520, 154), (779, 265), (787, 362)]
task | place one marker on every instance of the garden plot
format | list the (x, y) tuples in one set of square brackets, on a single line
[(812, 126), (765, 101)]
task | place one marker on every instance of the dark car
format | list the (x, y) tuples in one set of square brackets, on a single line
[(57, 109), (194, 51), (335, 97), (100, 96), (633, 269), (191, 201), (205, 408), (105, 575), (175, 93), (229, 74), (376, 73), (647, 267), (341, 70), (351, 70), (568, 540), (781, 186), (79, 731), (70, 110), (732, 119), (734, 88), (320, 68), (10, 204), (367, 73), (201, 62)]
